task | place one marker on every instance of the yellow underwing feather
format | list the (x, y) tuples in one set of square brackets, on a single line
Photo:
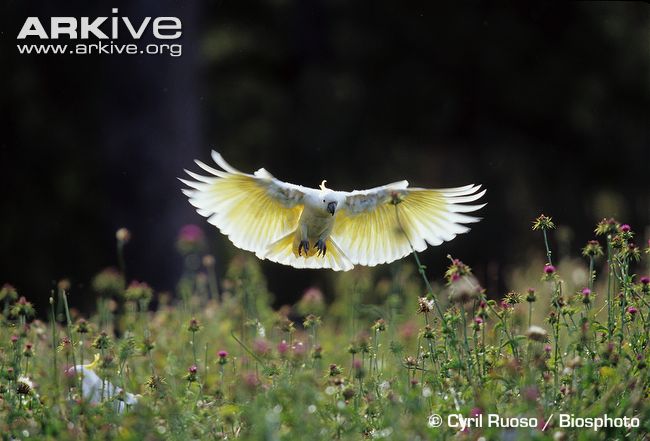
[(375, 226), (252, 210)]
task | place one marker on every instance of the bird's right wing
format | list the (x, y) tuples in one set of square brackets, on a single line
[(254, 211)]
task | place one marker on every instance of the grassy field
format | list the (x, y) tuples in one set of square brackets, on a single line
[(422, 354)]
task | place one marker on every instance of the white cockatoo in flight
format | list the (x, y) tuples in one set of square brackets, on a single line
[(321, 228)]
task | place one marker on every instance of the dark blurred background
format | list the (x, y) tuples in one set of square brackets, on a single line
[(546, 104)]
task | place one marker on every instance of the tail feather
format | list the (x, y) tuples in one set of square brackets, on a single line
[(283, 251)]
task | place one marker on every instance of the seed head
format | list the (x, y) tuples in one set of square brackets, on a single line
[(606, 227), (424, 305), (531, 297), (592, 249), (194, 325), (82, 326), (537, 333), (543, 223), (8, 293), (123, 236)]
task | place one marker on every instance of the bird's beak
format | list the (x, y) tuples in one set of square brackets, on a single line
[(331, 207)]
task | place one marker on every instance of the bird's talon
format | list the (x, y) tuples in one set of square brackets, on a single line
[(304, 244), (321, 245)]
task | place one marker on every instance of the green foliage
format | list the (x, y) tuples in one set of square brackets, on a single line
[(378, 362)]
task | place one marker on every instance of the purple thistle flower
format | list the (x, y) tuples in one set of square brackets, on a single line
[(625, 228), (549, 269)]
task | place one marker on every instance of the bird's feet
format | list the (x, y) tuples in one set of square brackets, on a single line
[(321, 246), (303, 245)]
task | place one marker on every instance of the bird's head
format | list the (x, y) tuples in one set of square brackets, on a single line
[(330, 201)]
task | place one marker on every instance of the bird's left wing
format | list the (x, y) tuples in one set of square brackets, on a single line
[(252, 210), (375, 226)]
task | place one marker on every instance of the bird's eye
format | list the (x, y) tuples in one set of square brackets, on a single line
[(323, 200)]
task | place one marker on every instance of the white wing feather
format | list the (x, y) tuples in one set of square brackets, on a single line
[(381, 224), (252, 210)]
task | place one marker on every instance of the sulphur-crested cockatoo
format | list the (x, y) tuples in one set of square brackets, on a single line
[(321, 228), (93, 387)]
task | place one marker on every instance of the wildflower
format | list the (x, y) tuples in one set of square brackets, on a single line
[(23, 308), (349, 393), (156, 384), (261, 347), (424, 305), (531, 297), (379, 325), (194, 325), (537, 333), (631, 251), (147, 345), (513, 298), (208, 261), (312, 302), (286, 325), (645, 280), (223, 357), (250, 380), (191, 239), (543, 222), (28, 352), (283, 348), (14, 339), (24, 386), (123, 236), (456, 270), (334, 370), (592, 249), (102, 341), (625, 228), (428, 332), (586, 296), (317, 352), (410, 361), (191, 374), (64, 285), (64, 346), (363, 343), (8, 293), (138, 292), (549, 269), (632, 310), (310, 321), (298, 349), (359, 372), (606, 227), (108, 283), (82, 326)]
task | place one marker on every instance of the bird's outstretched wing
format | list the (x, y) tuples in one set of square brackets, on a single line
[(375, 226), (254, 211)]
